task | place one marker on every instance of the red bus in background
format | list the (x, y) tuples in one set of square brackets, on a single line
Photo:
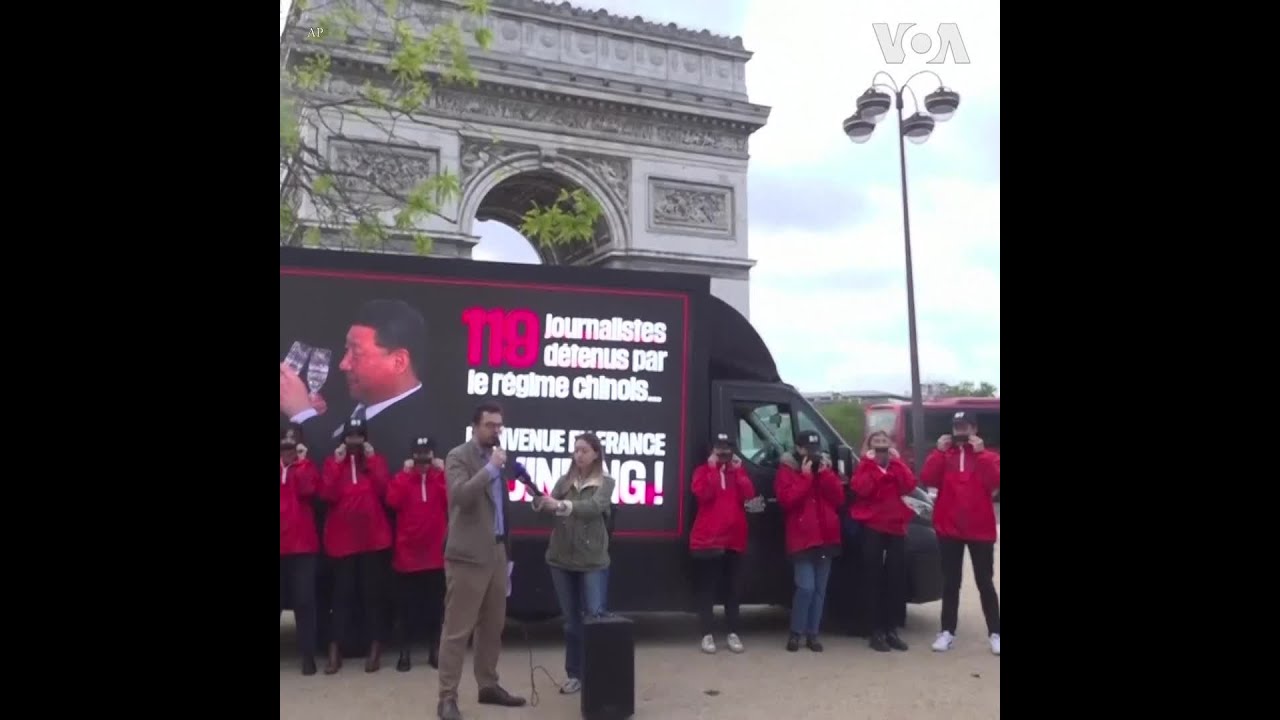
[(895, 419)]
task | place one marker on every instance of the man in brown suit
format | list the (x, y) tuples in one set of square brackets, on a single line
[(475, 564)]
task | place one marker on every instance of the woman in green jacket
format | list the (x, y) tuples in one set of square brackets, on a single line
[(578, 552)]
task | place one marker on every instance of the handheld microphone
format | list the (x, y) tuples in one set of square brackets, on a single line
[(523, 476)]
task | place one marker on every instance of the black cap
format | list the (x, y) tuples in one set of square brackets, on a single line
[(423, 443), (355, 426), (723, 439), (963, 417), (809, 437)]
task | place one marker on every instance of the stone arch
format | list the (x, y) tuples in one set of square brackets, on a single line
[(501, 180), (653, 120)]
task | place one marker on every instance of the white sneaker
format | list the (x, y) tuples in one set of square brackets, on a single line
[(571, 686), (944, 641), (995, 643), (708, 645), (735, 643)]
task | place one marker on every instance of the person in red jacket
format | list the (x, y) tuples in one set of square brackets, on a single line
[(357, 535), (810, 493), (966, 475), (419, 497), (879, 483), (719, 538), (299, 546)]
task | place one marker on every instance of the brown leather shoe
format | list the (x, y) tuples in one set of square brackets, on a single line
[(495, 695), (335, 660), (373, 663), (448, 710)]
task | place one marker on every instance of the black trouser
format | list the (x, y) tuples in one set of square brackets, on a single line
[(419, 607), (884, 578), (982, 554), (298, 585), (366, 574), (722, 572)]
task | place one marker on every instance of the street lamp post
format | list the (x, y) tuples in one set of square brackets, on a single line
[(872, 106)]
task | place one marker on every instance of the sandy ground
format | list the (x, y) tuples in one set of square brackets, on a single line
[(675, 681)]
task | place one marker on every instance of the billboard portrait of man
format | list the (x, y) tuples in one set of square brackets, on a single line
[(382, 363)]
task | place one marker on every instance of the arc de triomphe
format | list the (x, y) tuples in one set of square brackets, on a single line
[(652, 120)]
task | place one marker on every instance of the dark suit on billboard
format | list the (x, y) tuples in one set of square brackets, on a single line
[(392, 429)]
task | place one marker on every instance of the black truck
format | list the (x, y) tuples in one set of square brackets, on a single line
[(652, 362)]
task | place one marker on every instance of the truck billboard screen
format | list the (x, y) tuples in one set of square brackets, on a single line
[(560, 360)]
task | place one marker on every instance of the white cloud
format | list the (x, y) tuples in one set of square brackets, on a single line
[(859, 298)]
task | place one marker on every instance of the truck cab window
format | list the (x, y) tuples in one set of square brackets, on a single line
[(805, 420), (765, 432)]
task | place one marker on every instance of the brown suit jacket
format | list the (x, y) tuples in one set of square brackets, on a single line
[(471, 509)]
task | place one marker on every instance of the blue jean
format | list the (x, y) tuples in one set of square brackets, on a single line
[(811, 575), (581, 595)]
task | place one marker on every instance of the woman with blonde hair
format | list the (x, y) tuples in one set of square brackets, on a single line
[(578, 552), (878, 484)]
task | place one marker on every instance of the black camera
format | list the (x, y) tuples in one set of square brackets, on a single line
[(812, 445), (723, 448)]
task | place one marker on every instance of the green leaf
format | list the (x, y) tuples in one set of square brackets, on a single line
[(392, 7), (368, 232), (322, 184), (484, 37), (290, 132), (477, 7), (375, 95), (423, 243), (447, 186), (572, 218), (311, 237), (286, 219)]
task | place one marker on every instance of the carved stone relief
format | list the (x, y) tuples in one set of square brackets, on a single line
[(689, 208), (372, 168), (613, 172), (560, 113), (478, 154), (554, 114)]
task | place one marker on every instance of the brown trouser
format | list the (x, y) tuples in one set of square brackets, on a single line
[(475, 598)]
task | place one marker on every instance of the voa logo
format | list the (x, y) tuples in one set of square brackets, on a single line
[(893, 47)]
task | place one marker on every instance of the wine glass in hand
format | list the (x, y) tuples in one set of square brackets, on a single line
[(297, 357)]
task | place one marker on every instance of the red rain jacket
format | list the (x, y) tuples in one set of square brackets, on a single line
[(878, 495), (809, 506), (965, 480), (421, 503), (356, 521), (297, 519), (721, 521)]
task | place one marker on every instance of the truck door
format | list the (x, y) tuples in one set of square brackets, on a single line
[(763, 420)]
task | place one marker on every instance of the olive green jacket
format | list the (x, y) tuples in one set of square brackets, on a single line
[(579, 538)]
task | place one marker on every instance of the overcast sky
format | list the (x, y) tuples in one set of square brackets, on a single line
[(826, 215)]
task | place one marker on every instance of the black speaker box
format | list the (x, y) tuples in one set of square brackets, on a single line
[(608, 669)]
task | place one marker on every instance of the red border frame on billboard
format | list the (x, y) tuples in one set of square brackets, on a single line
[(684, 360)]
